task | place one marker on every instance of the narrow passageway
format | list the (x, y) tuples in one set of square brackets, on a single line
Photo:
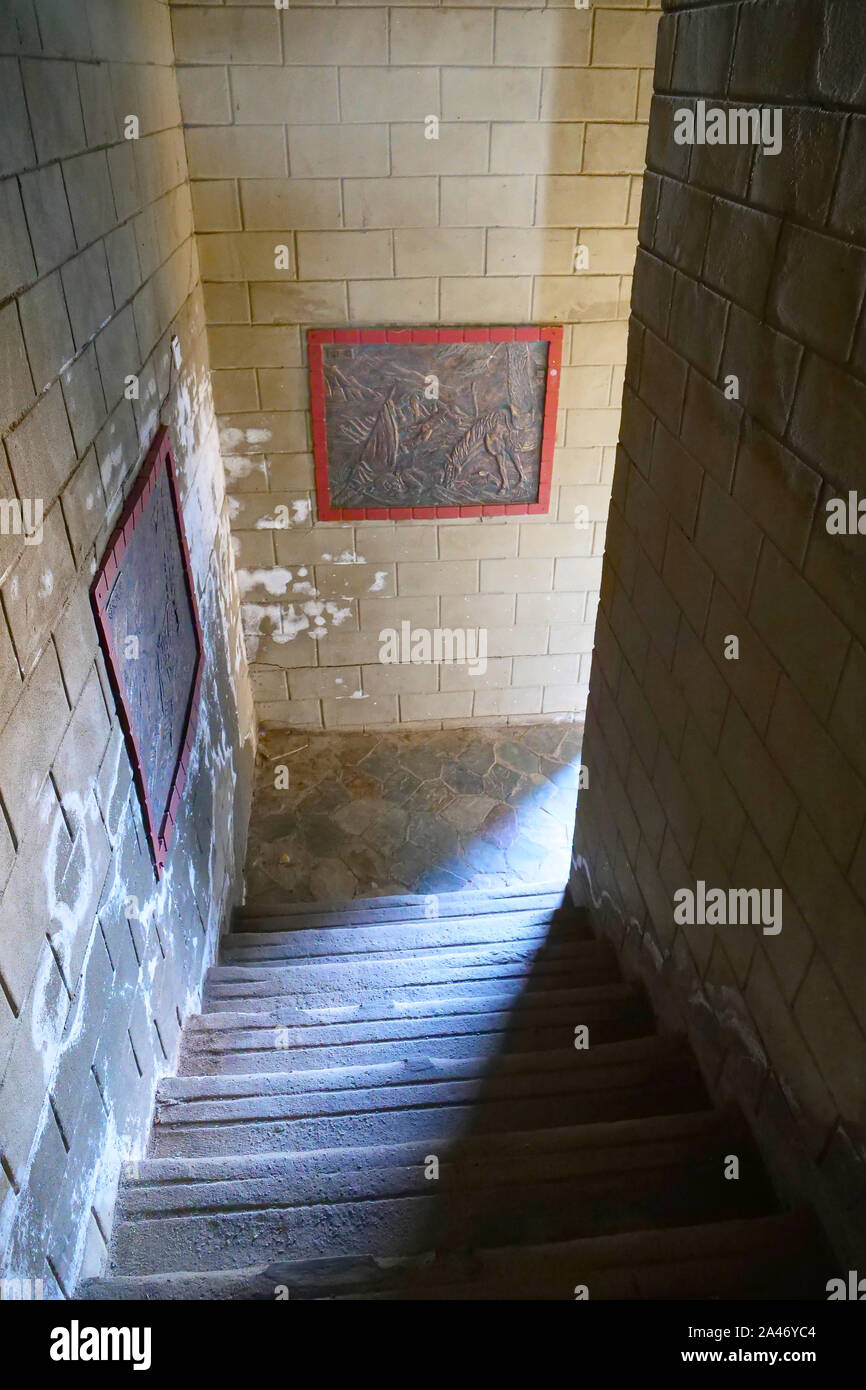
[(432, 650)]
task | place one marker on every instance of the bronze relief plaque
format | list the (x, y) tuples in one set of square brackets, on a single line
[(433, 422)]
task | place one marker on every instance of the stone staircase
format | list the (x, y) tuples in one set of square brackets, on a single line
[(344, 1053)]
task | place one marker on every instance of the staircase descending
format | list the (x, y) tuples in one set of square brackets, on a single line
[(343, 1051)]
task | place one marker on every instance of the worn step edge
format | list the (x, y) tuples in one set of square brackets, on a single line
[(775, 1240), (368, 1076), (646, 1049), (609, 1134), (428, 996), (580, 1174), (529, 951), (410, 971), (518, 1003), (221, 1132), (461, 1022), (657, 1069), (399, 907), (399, 1170), (403, 940), (395, 1213), (270, 1052), (405, 984), (541, 977)]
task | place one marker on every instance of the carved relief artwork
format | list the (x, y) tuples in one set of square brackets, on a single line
[(144, 602), (433, 422)]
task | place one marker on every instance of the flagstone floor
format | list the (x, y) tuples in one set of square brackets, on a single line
[(422, 812)]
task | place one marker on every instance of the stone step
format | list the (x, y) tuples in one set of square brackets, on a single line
[(610, 1012), (252, 948), (662, 1134), (415, 1070), (510, 996), (657, 1077), (767, 1257), (400, 908), (581, 961), (342, 1046), (762, 1258), (392, 1210), (537, 951), (404, 1001), (178, 1097)]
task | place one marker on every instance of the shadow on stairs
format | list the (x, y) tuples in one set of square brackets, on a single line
[(380, 1103)]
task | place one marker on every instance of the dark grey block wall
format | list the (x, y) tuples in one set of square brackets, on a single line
[(99, 965), (747, 772)]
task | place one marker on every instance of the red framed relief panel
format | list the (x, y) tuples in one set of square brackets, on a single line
[(433, 422), (143, 598)]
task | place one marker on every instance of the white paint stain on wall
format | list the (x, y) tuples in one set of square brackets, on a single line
[(346, 557), (238, 467), (282, 624), (232, 439), (275, 581)]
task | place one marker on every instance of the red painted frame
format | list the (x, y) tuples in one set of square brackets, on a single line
[(317, 337), (159, 821)]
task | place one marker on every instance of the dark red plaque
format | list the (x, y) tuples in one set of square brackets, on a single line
[(143, 597), (433, 422)]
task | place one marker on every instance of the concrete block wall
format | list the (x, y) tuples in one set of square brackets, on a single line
[(98, 965), (305, 128), (747, 772)]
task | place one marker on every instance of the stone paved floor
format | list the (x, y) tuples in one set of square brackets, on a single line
[(398, 812)]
